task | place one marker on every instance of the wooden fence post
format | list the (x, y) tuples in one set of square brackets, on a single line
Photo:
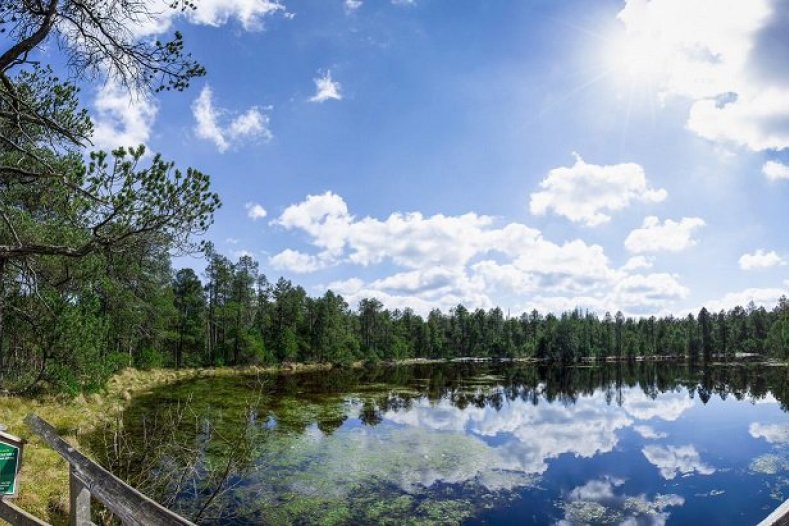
[(79, 500), (88, 479)]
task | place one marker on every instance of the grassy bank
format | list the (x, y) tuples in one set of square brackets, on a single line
[(44, 476)]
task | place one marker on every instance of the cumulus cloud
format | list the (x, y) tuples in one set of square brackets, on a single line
[(586, 193), (638, 262), (760, 259), (772, 433), (459, 289), (252, 123), (326, 89), (324, 217), (668, 407), (249, 13), (761, 297), (670, 236), (352, 5), (647, 293), (775, 171), (529, 435), (298, 262), (676, 460), (255, 211), (122, 118), (722, 55), (648, 432), (443, 261)]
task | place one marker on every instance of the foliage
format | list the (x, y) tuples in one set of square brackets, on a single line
[(85, 237)]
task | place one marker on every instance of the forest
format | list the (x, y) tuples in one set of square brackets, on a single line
[(148, 315)]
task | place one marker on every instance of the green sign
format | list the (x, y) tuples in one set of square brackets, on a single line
[(10, 460)]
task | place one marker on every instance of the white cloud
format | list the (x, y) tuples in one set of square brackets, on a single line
[(326, 89), (648, 433), (676, 460), (253, 123), (295, 261), (585, 193), (232, 241), (445, 260), (748, 121), (723, 55), (668, 407), (670, 236), (353, 5), (249, 13), (324, 217), (122, 118), (255, 211), (125, 119), (760, 260), (643, 294), (529, 435), (761, 297), (775, 171), (638, 262), (772, 433)]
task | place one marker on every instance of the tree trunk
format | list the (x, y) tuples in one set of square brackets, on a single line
[(2, 319)]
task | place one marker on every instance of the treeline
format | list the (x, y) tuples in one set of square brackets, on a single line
[(144, 314), (237, 316)]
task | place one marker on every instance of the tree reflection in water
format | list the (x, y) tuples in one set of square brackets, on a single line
[(418, 443)]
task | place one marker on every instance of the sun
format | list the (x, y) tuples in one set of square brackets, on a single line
[(636, 58)]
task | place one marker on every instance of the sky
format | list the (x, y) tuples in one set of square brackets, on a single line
[(612, 155)]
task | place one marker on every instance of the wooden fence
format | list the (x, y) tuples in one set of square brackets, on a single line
[(779, 517), (87, 479)]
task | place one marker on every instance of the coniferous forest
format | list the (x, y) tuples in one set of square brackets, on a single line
[(142, 313)]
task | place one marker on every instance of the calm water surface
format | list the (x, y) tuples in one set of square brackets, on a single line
[(643, 444)]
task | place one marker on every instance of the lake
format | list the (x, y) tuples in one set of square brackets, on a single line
[(635, 444)]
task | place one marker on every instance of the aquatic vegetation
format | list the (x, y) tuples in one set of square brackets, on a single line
[(602, 502), (431, 444), (582, 511), (769, 464)]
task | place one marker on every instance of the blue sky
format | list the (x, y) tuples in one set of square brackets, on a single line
[(609, 155)]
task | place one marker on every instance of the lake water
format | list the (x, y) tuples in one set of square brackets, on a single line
[(639, 444)]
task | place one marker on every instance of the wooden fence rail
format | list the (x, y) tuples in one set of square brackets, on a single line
[(779, 517), (86, 479)]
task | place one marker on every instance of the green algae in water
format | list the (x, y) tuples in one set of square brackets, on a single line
[(591, 512), (354, 469), (769, 464)]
